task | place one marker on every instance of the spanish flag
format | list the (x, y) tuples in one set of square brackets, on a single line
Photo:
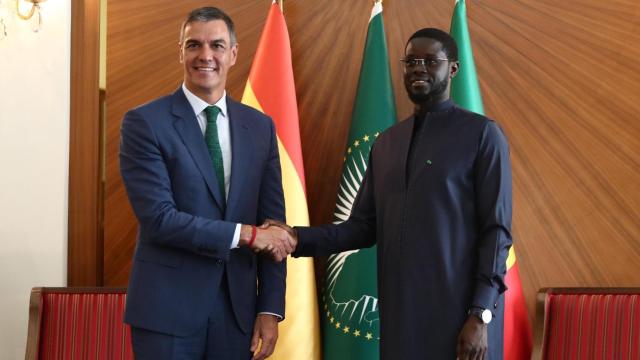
[(271, 90), (465, 91)]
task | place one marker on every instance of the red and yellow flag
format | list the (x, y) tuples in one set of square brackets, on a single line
[(517, 330), (271, 90)]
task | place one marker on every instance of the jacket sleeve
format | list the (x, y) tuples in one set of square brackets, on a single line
[(271, 275), (493, 208), (148, 186)]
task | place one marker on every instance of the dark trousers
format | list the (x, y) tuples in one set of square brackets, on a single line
[(219, 339)]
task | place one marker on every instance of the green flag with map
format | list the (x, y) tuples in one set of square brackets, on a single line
[(350, 297)]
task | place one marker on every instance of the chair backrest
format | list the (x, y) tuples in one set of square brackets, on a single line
[(78, 323), (587, 323)]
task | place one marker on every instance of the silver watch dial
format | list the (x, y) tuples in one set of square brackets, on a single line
[(486, 316)]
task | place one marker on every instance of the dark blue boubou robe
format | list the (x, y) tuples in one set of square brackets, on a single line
[(436, 199)]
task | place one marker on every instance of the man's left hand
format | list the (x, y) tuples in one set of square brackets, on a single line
[(472, 341), (265, 333)]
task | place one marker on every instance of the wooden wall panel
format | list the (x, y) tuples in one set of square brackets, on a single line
[(560, 77)]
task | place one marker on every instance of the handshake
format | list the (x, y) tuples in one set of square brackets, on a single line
[(273, 238)]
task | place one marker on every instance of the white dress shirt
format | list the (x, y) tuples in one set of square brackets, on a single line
[(224, 137)]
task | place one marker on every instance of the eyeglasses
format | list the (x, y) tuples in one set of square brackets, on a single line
[(427, 63)]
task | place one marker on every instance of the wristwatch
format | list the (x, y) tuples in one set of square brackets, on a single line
[(483, 314)]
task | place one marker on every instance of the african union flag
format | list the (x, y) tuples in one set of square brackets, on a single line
[(350, 298)]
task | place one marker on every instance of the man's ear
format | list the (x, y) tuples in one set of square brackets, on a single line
[(453, 71), (234, 53), (180, 56)]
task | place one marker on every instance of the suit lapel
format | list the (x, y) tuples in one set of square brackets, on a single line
[(186, 124), (242, 149)]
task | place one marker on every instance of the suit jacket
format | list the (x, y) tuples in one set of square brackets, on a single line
[(441, 220), (185, 231)]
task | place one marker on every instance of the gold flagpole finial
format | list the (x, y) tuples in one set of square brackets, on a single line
[(281, 4)]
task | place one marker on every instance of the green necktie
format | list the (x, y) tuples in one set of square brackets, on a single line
[(213, 144)]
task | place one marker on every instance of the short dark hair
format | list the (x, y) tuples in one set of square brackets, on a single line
[(449, 45), (209, 13)]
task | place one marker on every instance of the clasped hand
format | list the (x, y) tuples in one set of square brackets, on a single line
[(275, 239)]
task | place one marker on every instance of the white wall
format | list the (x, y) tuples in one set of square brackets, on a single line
[(34, 146)]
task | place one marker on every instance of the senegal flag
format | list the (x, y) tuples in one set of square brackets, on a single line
[(466, 93), (350, 298), (271, 89)]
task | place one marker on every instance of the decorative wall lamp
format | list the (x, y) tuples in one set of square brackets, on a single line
[(33, 14), (14, 10), (3, 21), (3, 28)]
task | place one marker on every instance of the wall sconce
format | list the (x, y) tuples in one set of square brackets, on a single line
[(3, 21), (14, 10), (33, 14), (3, 28)]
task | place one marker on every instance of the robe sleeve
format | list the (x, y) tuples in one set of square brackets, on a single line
[(493, 203), (359, 231)]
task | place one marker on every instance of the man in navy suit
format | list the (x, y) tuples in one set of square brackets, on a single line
[(200, 170)]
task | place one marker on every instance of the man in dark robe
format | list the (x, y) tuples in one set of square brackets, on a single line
[(436, 199)]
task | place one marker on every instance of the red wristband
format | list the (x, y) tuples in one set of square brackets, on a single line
[(254, 231)]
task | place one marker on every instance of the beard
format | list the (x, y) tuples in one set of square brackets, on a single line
[(434, 93)]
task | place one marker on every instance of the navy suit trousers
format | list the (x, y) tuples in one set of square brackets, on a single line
[(220, 339)]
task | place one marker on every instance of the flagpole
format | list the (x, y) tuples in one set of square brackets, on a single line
[(281, 4)]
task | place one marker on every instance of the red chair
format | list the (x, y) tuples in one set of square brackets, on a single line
[(78, 323), (587, 323)]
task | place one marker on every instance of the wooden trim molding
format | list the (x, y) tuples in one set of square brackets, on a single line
[(84, 261), (33, 332)]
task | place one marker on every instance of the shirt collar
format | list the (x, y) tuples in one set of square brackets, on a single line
[(441, 106), (198, 105), (436, 109)]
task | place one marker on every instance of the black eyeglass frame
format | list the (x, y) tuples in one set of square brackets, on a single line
[(427, 63)]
